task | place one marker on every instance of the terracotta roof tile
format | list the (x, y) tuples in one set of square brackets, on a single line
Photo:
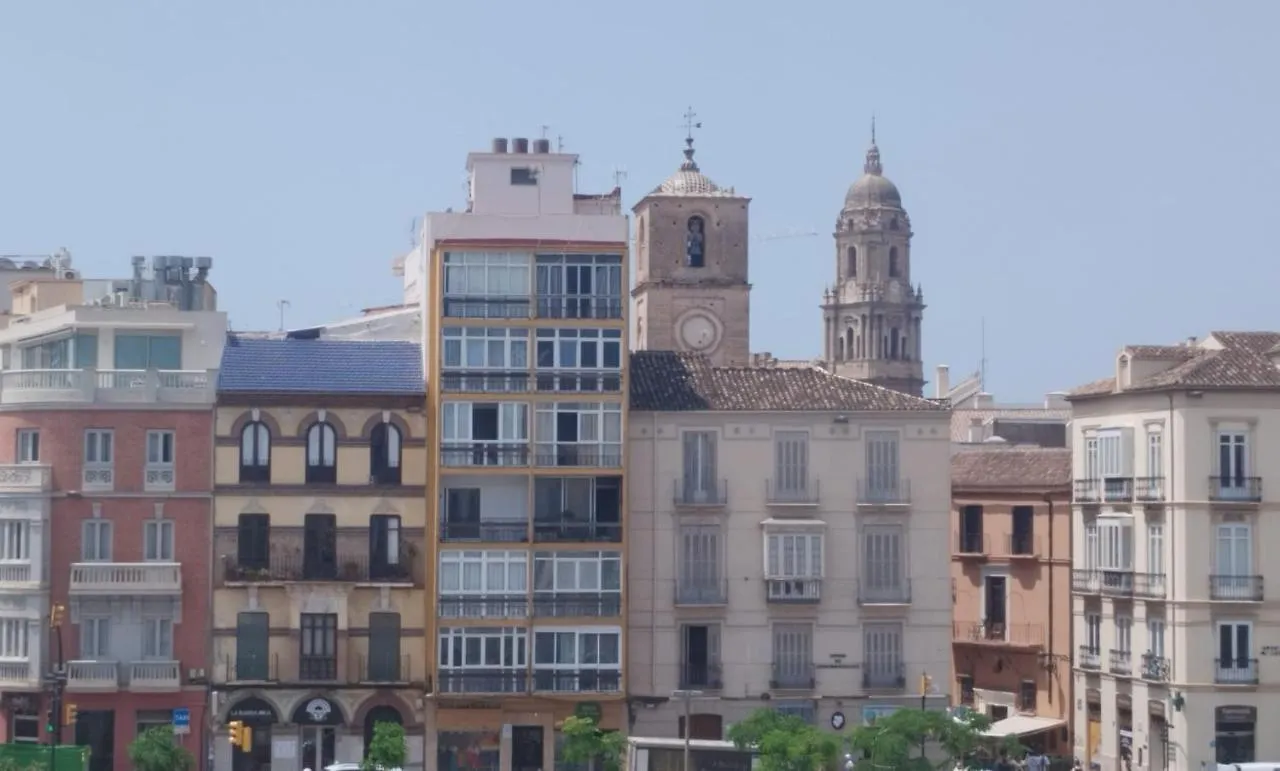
[(1026, 467), (1242, 363)]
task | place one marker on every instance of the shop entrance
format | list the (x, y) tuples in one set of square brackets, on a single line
[(317, 719)]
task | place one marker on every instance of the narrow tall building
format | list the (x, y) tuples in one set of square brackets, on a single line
[(320, 552), (106, 399), (525, 319)]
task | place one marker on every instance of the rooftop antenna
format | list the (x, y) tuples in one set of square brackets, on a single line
[(559, 143), (545, 128), (619, 174), (413, 232), (281, 305)]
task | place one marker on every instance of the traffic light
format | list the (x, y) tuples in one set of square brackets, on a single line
[(56, 614), (925, 682), (49, 720), (69, 712), (246, 738), (236, 736)]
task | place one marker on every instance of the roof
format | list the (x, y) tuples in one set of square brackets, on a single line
[(1021, 725), (962, 418), (290, 366), (1223, 361), (689, 180), (668, 381), (1025, 467)]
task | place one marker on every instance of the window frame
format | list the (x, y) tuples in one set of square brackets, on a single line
[(255, 465), (161, 534), (604, 451), (575, 561), (157, 634), (15, 539), (514, 563), (580, 635), (156, 447), (322, 453), (28, 449), (104, 532), (15, 639), (775, 554), (95, 637), (1116, 543), (97, 452), (512, 640), (386, 454), (456, 346)]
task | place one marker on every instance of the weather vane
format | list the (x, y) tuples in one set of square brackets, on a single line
[(690, 123)]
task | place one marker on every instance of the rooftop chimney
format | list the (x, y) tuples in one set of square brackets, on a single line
[(499, 146), (520, 145), (1056, 400), (542, 146), (944, 381), (984, 401), (975, 430)]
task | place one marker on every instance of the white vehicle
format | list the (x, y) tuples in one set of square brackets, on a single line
[(349, 767)]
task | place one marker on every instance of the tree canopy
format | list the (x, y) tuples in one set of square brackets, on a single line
[(387, 750), (894, 741), (156, 750), (584, 741), (785, 742)]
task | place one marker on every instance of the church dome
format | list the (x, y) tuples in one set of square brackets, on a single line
[(873, 189), (689, 180)]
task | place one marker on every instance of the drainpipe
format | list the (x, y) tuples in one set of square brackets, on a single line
[(1173, 551), (653, 559), (1048, 498)]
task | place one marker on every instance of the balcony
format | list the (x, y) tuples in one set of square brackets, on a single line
[(689, 494), (462, 606), (19, 675), (577, 681), (895, 591), (1149, 489), (1120, 663), (971, 544), (292, 567), (452, 381), (130, 579), (577, 605), (793, 590), (107, 386), (507, 531), (884, 676), (25, 478), (793, 676), (158, 477), (1022, 546), (317, 669), (249, 669), (155, 676), (1235, 588), (1112, 583), (1086, 491), (888, 492), (97, 477), (1235, 671), (1149, 586), (579, 455), (705, 676), (487, 307), (576, 306), (1156, 669), (604, 381), (1118, 489), (573, 531), (17, 577), (293, 557), (471, 681), (800, 492), (998, 633), (702, 592), (484, 454), (88, 676), (1089, 658), (1235, 489), (382, 670)]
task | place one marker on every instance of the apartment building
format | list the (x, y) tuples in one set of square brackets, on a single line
[(107, 395), (1011, 583), (787, 545), (319, 548), (1173, 507), (522, 297)]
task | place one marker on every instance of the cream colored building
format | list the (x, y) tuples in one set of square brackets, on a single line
[(319, 613), (1175, 620)]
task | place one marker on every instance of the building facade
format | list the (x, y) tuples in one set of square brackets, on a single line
[(319, 549), (107, 390), (1011, 582), (525, 321), (787, 545), (1173, 507)]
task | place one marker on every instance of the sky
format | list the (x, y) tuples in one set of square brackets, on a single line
[(1079, 175)]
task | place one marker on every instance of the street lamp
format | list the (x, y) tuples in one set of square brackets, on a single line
[(688, 697)]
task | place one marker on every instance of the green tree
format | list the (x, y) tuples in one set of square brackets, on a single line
[(584, 740), (387, 750), (785, 742), (156, 750), (894, 741)]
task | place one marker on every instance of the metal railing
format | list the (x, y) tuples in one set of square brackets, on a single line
[(1148, 489), (1156, 668), (998, 633), (577, 306), (483, 680), (883, 491), (577, 605), (482, 307), (1022, 545), (578, 455), (485, 532), (969, 542), (464, 381), (702, 591), (793, 676), (704, 676), (1236, 671), (793, 589), (462, 606), (604, 381), (1089, 658), (803, 492), (577, 681), (884, 592), (1120, 662), (694, 493), (343, 567), (487, 454), (1149, 585), (382, 669), (1234, 489), (1238, 588), (572, 531), (1115, 583), (884, 675)]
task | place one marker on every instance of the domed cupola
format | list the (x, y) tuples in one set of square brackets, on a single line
[(689, 179), (873, 190)]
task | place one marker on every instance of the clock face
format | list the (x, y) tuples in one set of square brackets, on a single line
[(698, 332)]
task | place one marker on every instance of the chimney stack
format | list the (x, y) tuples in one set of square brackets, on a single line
[(975, 430), (943, 385)]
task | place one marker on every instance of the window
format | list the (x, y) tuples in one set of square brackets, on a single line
[(882, 562), (579, 434), (73, 352), (1155, 453), (252, 645), (1235, 645), (95, 540), (99, 447), (966, 688), (521, 175), (1022, 540), (577, 508), (255, 453), (486, 274), (384, 454), (971, 522), (1091, 462), (695, 242), (486, 348), (1027, 696), (28, 445), (1155, 548), (157, 639), (1115, 452), (851, 261), (699, 567), (483, 648), (1124, 634), (386, 549), (320, 547), (1234, 550), (318, 646), (152, 718), (1233, 458), (148, 351), (700, 484), (95, 637), (791, 465), (484, 434), (484, 573), (579, 286), (253, 542), (322, 453), (893, 262), (577, 659), (13, 639), (793, 555), (157, 538), (594, 351), (159, 469), (882, 465), (15, 540), (384, 649), (582, 572), (1155, 636), (1091, 545), (1093, 631), (882, 656), (792, 655), (1115, 538)]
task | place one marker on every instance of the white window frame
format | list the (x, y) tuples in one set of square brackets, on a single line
[(699, 453), (158, 540), (1115, 542), (488, 274), (1232, 437), (95, 637), (322, 445), (496, 349), (1155, 547), (791, 555), (1123, 634), (157, 638), (28, 445), (456, 422), (512, 640), (881, 572), (1155, 636), (99, 447), (483, 573), (15, 639), (1240, 537), (607, 429), (883, 462), (568, 345), (579, 572), (1115, 452), (1092, 550), (1235, 625), (1155, 453), (791, 462), (160, 448), (15, 541), (1092, 465), (1093, 631), (97, 537), (584, 636)]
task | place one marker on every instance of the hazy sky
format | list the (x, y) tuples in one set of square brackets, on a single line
[(1082, 174)]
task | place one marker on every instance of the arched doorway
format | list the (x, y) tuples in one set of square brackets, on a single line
[(259, 715), (380, 714), (318, 719)]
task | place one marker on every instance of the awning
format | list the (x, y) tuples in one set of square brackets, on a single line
[(1021, 725)]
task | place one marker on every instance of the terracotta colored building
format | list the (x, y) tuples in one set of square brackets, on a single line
[(1011, 587)]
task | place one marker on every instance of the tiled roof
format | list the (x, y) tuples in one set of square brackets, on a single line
[(1243, 362), (1031, 467), (666, 381), (283, 366)]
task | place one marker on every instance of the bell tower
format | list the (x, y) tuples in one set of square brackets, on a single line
[(872, 316), (692, 292)]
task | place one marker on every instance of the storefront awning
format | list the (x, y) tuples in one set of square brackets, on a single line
[(1021, 725)]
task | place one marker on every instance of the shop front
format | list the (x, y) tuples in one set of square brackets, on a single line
[(511, 735), (261, 717), (1235, 733)]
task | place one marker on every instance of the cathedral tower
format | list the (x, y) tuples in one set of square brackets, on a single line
[(872, 317), (691, 291)]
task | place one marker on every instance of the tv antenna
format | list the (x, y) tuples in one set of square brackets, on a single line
[(545, 128), (280, 306), (413, 232), (559, 143), (619, 174)]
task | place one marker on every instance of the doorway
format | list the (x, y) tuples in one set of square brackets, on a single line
[(526, 748), (995, 596), (319, 746)]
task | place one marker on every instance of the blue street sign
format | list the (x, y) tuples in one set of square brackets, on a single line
[(181, 717)]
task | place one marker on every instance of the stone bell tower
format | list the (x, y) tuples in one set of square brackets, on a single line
[(872, 317)]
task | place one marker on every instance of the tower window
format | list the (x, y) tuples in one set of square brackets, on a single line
[(524, 176), (893, 262), (695, 242), (852, 260)]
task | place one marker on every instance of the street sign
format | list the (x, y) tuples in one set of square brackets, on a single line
[(181, 721)]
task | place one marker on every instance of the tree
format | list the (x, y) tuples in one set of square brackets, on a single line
[(584, 741), (894, 741), (155, 750), (387, 750), (785, 742)]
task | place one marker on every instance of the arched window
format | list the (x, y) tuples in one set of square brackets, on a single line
[(851, 262), (893, 262), (695, 242), (893, 343), (322, 454), (384, 454), (840, 354), (255, 453)]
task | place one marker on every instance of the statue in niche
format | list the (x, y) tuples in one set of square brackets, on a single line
[(695, 243)]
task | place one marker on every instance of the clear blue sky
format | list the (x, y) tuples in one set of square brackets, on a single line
[(1082, 174)]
